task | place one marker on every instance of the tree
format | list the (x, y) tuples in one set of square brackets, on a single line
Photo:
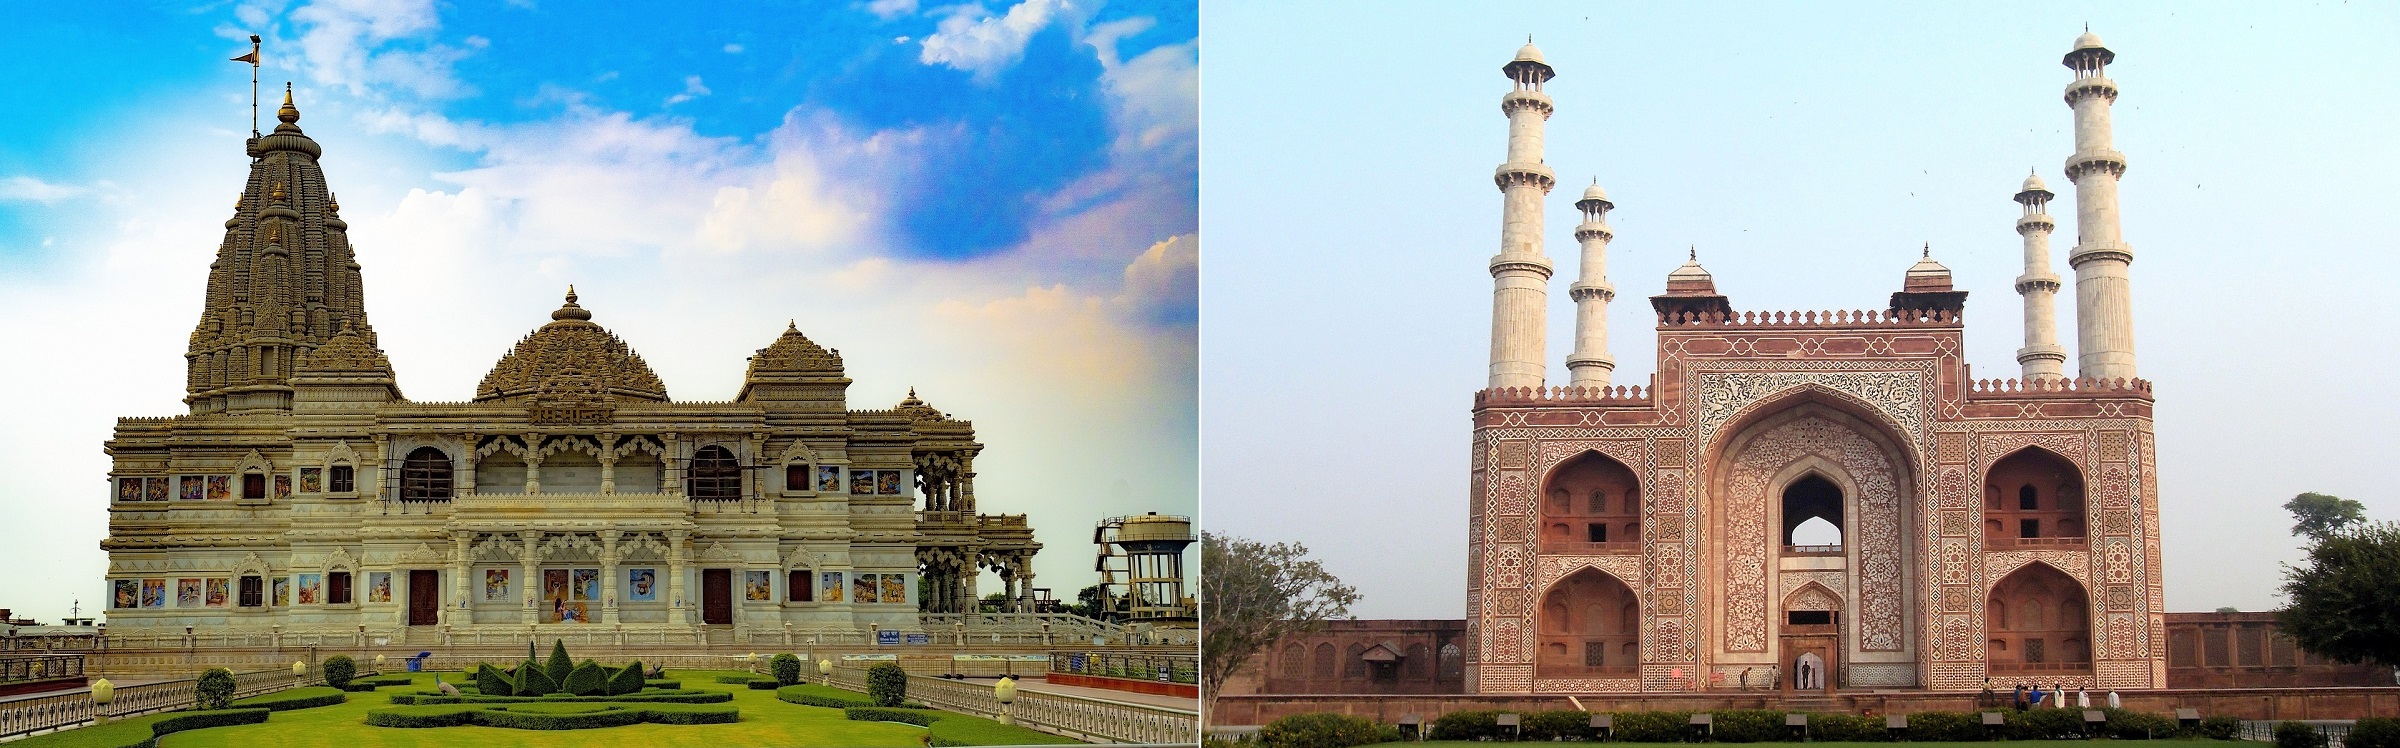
[(996, 602), (2229, 609), (2345, 600), (1252, 594), (2320, 515)]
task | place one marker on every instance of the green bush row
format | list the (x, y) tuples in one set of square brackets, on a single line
[(645, 697), (947, 729), (1756, 726), (2374, 732), (810, 694), (735, 680), (617, 715), (297, 698), (764, 684), (666, 683), (182, 721)]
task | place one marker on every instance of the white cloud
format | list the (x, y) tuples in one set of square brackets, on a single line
[(974, 40), (32, 190), (734, 49), (692, 89), (890, 9), (343, 44)]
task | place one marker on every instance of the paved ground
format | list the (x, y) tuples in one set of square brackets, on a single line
[(1036, 683)]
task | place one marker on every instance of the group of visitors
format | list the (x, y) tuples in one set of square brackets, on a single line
[(2034, 696)]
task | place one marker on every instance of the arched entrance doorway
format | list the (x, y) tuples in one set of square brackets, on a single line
[(1810, 640), (1591, 627), (2039, 626)]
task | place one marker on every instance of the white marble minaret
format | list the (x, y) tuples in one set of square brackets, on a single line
[(2103, 289), (1590, 364), (2042, 357), (1520, 273)]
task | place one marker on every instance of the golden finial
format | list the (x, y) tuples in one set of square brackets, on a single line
[(334, 203), (570, 293), (793, 325), (288, 114), (271, 234), (278, 193)]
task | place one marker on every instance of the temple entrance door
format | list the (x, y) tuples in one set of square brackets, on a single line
[(1810, 663), (716, 597), (424, 597)]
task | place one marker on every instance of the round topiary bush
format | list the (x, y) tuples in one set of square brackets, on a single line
[(2220, 727), (339, 670), (887, 684), (2297, 734), (2374, 732), (1319, 730), (215, 689), (786, 668)]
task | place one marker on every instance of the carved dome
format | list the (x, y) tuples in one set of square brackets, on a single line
[(794, 353), (574, 358), (918, 410)]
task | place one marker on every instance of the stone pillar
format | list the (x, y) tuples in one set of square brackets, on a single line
[(966, 484), (1590, 365), (608, 575), (2041, 358), (2101, 258), (466, 465), (1520, 273), (531, 562), (608, 463), (675, 572), (462, 560)]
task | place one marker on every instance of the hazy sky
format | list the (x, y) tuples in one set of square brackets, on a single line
[(994, 204), (1808, 150)]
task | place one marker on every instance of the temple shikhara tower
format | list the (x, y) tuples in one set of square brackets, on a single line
[(1649, 538), (304, 496)]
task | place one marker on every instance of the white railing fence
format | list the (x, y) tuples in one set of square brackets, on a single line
[(75, 709), (1077, 717)]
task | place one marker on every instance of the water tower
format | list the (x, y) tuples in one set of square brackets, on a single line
[(1141, 567)]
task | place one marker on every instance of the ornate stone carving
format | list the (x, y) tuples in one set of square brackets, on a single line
[(1876, 528)]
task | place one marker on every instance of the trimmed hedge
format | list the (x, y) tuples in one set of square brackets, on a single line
[(423, 698), (785, 667), (764, 684), (560, 665), (627, 680), (947, 729), (666, 683), (809, 694), (523, 718), (532, 681), (916, 717), (490, 680), (339, 669), (182, 721), (215, 689), (887, 684), (297, 698), (1319, 730), (735, 680), (586, 679), (2220, 727), (2297, 734)]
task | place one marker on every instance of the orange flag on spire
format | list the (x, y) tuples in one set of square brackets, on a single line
[(251, 58)]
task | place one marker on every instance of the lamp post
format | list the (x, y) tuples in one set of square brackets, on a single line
[(825, 669), (299, 671), (1006, 692), (102, 693), (379, 664)]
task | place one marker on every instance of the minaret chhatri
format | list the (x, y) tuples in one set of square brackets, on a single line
[(2103, 290), (2041, 356), (1590, 364), (1520, 274)]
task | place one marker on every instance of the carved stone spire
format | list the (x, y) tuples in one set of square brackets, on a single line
[(285, 281)]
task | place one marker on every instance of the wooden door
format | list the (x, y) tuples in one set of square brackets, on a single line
[(716, 596), (424, 597)]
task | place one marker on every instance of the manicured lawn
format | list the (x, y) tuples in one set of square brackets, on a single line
[(766, 721)]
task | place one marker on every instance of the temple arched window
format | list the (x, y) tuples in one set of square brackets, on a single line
[(1591, 504), (1354, 662), (1454, 662), (1295, 661), (1812, 513), (2048, 509), (1321, 664), (425, 476), (715, 475)]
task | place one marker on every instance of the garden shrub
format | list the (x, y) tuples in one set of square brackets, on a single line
[(2374, 732), (1560, 725), (1472, 724), (2297, 734), (1847, 728), (1652, 727), (2048, 724), (785, 667), (884, 714), (339, 670), (489, 680), (625, 680), (560, 664), (735, 680), (887, 684), (2128, 724), (611, 715), (666, 683), (1318, 730), (532, 681), (1747, 726), (2220, 727), (1947, 726), (586, 679), (215, 689), (181, 721), (764, 684), (297, 698)]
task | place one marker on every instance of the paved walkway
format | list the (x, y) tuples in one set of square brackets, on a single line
[(1037, 683)]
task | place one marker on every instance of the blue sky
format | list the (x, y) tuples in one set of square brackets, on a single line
[(994, 203), (1808, 150)]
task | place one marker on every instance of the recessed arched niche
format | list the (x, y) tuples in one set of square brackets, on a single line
[(1591, 503), (2033, 497)]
